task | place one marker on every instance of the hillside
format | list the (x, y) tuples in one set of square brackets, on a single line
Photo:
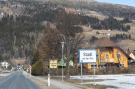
[(22, 24)]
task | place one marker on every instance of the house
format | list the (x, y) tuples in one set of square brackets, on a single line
[(131, 54), (109, 53), (5, 64)]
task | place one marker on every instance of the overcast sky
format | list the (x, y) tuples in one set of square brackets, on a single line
[(125, 2)]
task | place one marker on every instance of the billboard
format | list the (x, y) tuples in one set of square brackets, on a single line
[(87, 55)]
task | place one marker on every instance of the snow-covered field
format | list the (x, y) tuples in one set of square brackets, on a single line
[(122, 81)]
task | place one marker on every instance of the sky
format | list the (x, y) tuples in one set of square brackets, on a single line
[(125, 2)]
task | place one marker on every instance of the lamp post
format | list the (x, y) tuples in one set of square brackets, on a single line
[(62, 44)]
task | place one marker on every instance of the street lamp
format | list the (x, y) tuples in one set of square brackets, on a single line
[(62, 44)]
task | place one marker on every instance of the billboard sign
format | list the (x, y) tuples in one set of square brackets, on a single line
[(87, 55)]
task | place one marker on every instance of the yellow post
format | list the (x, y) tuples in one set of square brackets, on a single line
[(98, 59), (126, 63)]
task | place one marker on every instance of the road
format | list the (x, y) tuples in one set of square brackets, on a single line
[(17, 80)]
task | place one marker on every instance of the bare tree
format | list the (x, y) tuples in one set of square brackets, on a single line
[(71, 45)]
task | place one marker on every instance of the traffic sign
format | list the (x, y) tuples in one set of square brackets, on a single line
[(53, 64), (87, 55)]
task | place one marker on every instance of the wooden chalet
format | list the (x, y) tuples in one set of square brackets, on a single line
[(109, 53)]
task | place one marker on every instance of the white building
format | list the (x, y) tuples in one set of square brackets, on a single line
[(5, 64)]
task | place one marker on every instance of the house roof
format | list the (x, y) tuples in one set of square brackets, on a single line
[(105, 42), (128, 51), (124, 52)]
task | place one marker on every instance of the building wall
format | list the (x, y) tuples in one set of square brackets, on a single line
[(113, 55), (110, 55)]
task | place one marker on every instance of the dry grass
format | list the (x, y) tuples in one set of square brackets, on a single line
[(119, 18), (100, 16), (89, 32)]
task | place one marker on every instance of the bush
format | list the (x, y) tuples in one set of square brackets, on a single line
[(37, 68)]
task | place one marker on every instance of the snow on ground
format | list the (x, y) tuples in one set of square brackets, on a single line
[(122, 81), (4, 74)]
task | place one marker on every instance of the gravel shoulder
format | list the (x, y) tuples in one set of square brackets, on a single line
[(59, 84), (55, 84), (42, 83)]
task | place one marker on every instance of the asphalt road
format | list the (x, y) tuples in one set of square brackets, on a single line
[(17, 80)]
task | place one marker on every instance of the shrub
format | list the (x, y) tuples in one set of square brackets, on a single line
[(37, 68)]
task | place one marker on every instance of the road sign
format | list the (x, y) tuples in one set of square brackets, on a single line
[(87, 55), (53, 63), (62, 63)]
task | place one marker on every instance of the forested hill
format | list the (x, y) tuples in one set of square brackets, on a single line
[(22, 22), (104, 8)]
